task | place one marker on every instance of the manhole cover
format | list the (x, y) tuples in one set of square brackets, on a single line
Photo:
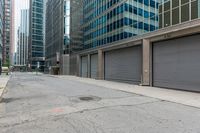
[(85, 98)]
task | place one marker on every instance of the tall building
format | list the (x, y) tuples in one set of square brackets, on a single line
[(8, 32), (12, 30), (23, 33), (1, 30), (76, 33), (57, 35), (108, 21), (36, 55), (172, 12), (120, 43), (17, 54)]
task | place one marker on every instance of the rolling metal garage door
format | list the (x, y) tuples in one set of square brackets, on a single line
[(124, 65), (94, 65), (176, 63), (84, 66)]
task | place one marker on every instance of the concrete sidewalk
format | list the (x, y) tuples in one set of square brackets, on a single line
[(176, 96), (3, 82)]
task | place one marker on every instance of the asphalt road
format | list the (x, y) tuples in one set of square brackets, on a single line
[(47, 104)]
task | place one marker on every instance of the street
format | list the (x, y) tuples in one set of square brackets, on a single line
[(48, 104)]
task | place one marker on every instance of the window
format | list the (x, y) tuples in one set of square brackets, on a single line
[(194, 10), (184, 1), (175, 3), (167, 19), (185, 13), (160, 8), (160, 21), (167, 6), (175, 16), (121, 36)]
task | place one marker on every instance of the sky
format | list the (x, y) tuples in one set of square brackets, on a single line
[(19, 5)]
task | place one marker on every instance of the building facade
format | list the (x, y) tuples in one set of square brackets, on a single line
[(1, 30), (23, 34), (12, 30), (17, 54), (36, 53), (58, 34), (167, 57), (172, 12), (76, 33), (8, 32), (108, 21)]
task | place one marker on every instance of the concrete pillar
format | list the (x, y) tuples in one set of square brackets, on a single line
[(100, 65), (89, 63), (78, 63), (146, 62)]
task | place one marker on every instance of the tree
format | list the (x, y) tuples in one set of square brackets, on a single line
[(7, 64)]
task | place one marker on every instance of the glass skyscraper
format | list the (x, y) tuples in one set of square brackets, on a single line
[(1, 30), (76, 33), (36, 34), (57, 32), (22, 45), (66, 26), (108, 21)]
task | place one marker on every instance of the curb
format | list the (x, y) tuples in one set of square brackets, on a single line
[(175, 96), (2, 89), (1, 93)]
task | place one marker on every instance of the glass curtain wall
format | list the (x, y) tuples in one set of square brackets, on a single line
[(1, 30), (108, 21), (36, 33), (66, 26)]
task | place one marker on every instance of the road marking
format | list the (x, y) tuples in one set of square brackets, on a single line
[(57, 110)]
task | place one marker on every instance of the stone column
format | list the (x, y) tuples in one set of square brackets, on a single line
[(146, 62), (78, 63), (88, 67), (100, 65)]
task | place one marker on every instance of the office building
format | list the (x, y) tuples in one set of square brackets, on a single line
[(17, 56), (1, 30), (58, 35), (108, 21), (76, 33), (8, 32), (12, 30), (23, 33), (124, 42), (36, 55), (172, 12)]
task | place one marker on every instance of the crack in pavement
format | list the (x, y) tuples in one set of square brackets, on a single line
[(52, 117)]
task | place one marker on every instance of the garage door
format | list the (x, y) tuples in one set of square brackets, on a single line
[(94, 66), (84, 66), (176, 63), (124, 65)]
